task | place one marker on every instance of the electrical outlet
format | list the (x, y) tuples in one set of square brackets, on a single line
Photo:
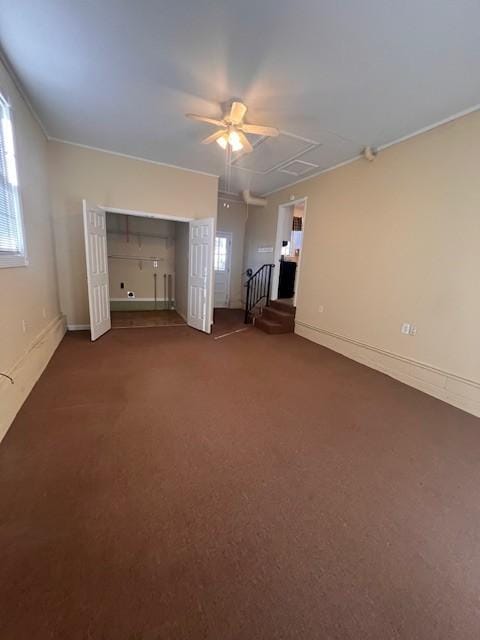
[(405, 328), (321, 308), (130, 294), (413, 330), (24, 326)]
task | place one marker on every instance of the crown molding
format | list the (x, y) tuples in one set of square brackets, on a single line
[(130, 157), (418, 132)]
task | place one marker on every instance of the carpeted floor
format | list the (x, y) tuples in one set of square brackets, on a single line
[(161, 484)]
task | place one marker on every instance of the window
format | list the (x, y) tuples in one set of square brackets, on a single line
[(12, 248), (220, 253)]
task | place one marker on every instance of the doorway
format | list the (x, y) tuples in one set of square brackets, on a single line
[(288, 250), (222, 268), (143, 263), (147, 270)]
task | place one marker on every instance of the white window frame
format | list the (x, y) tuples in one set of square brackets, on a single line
[(17, 258)]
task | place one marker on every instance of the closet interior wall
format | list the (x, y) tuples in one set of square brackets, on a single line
[(141, 263)]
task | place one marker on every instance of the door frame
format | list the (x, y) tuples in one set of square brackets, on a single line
[(144, 214), (165, 216), (277, 250), (229, 236)]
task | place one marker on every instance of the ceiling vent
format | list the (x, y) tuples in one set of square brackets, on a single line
[(298, 167)]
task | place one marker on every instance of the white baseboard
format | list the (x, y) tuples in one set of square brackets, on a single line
[(27, 370), (78, 327), (444, 385)]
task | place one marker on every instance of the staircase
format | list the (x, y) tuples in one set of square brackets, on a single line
[(278, 317)]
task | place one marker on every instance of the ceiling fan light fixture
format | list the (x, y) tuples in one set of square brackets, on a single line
[(234, 140), (223, 141), (232, 129)]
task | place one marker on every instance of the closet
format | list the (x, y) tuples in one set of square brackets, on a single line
[(148, 269)]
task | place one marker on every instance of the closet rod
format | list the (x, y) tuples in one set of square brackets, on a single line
[(137, 258)]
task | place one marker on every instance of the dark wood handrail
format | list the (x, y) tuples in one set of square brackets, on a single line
[(258, 289)]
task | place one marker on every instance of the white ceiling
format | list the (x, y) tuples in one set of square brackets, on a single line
[(121, 74)]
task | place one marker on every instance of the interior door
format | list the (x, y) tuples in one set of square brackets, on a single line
[(200, 274), (221, 264), (95, 228)]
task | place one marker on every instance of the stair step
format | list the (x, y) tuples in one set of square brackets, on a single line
[(269, 326), (284, 307), (275, 315)]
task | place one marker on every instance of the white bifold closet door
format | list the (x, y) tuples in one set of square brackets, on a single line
[(95, 228), (200, 274)]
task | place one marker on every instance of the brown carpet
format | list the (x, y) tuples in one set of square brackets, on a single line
[(166, 485), (228, 320)]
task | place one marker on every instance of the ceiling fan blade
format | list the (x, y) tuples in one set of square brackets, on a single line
[(237, 112), (260, 130), (214, 136), (247, 147), (193, 116)]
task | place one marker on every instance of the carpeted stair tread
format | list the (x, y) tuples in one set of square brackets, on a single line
[(269, 326), (277, 314), (283, 307)]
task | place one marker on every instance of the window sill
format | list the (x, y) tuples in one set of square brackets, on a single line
[(7, 261)]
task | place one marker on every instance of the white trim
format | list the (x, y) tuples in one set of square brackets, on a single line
[(299, 263), (17, 259), (78, 327), (144, 214), (130, 157), (27, 370), (36, 342), (382, 147), (456, 116), (457, 390), (18, 86), (277, 249), (10, 260)]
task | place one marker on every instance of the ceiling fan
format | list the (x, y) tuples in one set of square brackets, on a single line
[(233, 129)]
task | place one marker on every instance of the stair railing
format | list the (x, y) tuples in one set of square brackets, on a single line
[(258, 289)]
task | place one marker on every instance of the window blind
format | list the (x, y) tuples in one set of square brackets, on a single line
[(11, 232)]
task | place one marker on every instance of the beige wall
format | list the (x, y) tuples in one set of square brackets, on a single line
[(28, 293), (233, 219), (260, 232), (395, 241), (118, 182)]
